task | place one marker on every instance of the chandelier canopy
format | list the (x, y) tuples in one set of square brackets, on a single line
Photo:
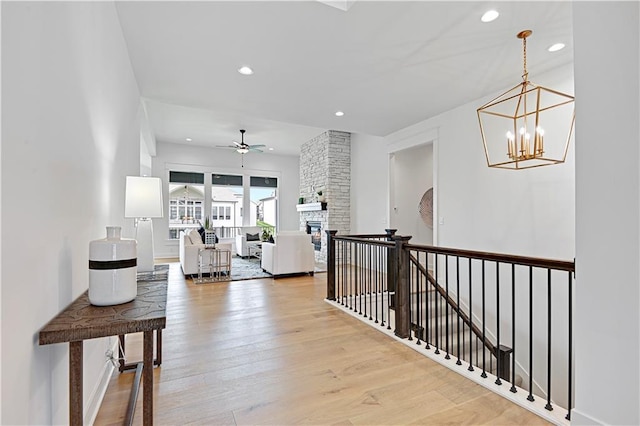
[(528, 125)]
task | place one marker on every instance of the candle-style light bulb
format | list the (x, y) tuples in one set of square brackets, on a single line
[(522, 131), (510, 145), (540, 139)]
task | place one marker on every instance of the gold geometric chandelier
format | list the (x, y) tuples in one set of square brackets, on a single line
[(528, 125)]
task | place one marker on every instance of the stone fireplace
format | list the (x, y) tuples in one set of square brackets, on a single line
[(325, 165)]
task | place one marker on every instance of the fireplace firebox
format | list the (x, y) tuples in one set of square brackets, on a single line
[(315, 230)]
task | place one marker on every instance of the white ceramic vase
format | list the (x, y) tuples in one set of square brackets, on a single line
[(112, 269)]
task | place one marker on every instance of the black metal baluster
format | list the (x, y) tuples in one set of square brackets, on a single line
[(353, 302), (470, 320), (484, 329), (569, 400), (458, 362), (360, 276), (497, 353), (389, 273), (377, 276), (369, 273), (513, 328), (549, 406), (446, 306), (345, 272), (427, 287), (530, 396), (418, 305), (437, 303)]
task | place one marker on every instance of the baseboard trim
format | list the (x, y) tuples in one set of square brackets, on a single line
[(97, 395), (580, 418)]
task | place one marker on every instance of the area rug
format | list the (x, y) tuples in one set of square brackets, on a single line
[(246, 269), (159, 273)]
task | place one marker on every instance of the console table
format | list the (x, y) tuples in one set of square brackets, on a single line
[(81, 321)]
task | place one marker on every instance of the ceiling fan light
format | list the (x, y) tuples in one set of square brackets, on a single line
[(242, 150)]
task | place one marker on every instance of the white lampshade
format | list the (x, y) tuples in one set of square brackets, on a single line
[(143, 197)]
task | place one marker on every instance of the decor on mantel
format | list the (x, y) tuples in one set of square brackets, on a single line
[(310, 207), (321, 197), (112, 269), (528, 125)]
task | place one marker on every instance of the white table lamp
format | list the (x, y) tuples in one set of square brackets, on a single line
[(143, 201)]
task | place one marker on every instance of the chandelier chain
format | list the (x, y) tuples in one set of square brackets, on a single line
[(524, 58)]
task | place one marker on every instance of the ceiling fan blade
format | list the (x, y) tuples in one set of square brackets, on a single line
[(256, 146), (252, 149), (238, 144), (226, 146)]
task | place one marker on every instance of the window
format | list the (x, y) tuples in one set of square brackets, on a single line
[(186, 201), (226, 200), (264, 201), (187, 209)]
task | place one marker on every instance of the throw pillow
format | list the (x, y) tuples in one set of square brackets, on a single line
[(194, 236), (253, 237), (201, 232)]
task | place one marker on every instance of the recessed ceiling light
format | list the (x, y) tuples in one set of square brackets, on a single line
[(556, 47), (188, 139), (245, 70), (339, 113), (489, 16), (270, 148)]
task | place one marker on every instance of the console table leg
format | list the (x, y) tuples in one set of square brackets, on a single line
[(147, 379), (75, 383), (158, 346)]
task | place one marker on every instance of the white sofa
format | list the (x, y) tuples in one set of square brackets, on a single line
[(242, 245), (292, 253), (189, 245)]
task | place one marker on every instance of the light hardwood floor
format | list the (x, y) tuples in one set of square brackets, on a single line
[(273, 352)]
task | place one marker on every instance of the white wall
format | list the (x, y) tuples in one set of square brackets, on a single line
[(411, 172), (70, 135), (369, 184), (607, 336), (209, 160), (526, 212)]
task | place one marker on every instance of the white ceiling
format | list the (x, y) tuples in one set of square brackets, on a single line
[(387, 65)]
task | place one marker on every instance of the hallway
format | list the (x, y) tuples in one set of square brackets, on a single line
[(273, 352)]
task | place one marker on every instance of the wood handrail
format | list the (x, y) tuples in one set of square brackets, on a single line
[(562, 265), (536, 262)]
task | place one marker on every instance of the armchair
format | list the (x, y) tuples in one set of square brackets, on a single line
[(292, 253), (242, 245)]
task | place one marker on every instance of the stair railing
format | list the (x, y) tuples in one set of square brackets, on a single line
[(452, 300)]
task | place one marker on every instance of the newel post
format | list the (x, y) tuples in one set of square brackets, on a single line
[(391, 270), (403, 293), (331, 265)]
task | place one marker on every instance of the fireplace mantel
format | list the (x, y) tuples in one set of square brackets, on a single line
[(310, 207)]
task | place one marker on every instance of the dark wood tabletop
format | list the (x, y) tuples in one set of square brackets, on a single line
[(81, 320)]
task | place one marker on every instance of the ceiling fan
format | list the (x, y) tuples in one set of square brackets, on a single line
[(243, 148)]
